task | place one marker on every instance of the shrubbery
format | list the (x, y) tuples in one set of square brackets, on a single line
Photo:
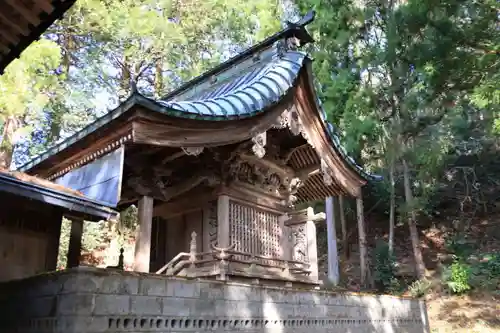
[(467, 272), (385, 269)]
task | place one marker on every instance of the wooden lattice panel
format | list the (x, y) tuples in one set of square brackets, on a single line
[(254, 231)]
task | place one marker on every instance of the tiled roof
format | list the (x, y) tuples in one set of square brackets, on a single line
[(253, 90), (244, 86)]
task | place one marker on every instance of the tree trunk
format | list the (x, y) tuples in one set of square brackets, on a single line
[(6, 146), (158, 78), (362, 241), (392, 211), (415, 242), (345, 241)]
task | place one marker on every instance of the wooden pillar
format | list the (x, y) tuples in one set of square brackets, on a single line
[(362, 240), (143, 240), (285, 238), (75, 242), (312, 248), (333, 259), (53, 244), (223, 221)]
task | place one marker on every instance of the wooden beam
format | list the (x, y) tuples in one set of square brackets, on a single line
[(143, 239), (187, 202), (75, 242), (172, 157), (176, 190), (44, 5), (23, 11), (9, 38), (14, 25), (4, 48), (282, 170)]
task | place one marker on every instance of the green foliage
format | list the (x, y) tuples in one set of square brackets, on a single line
[(420, 288), (62, 257), (384, 267), (87, 60), (460, 246), (485, 274), (457, 277)]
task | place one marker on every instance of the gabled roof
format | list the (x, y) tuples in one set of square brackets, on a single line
[(22, 22), (71, 201), (243, 87)]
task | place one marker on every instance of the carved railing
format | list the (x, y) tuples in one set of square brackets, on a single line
[(221, 262)]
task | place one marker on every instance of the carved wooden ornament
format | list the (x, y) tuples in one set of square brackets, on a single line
[(259, 143)]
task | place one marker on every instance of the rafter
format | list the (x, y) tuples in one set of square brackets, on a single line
[(10, 38), (44, 5), (15, 26), (23, 11)]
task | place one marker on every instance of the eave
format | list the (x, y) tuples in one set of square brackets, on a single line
[(21, 25), (71, 204)]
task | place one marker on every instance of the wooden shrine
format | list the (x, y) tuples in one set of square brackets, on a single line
[(218, 167)]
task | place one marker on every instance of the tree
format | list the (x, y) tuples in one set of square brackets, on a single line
[(27, 86), (396, 75)]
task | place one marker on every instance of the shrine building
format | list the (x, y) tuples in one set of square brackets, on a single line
[(217, 167)]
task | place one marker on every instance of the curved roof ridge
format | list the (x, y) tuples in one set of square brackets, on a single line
[(247, 94)]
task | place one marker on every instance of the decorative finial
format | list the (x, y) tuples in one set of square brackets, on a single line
[(120, 259)]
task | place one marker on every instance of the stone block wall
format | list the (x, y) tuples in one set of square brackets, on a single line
[(86, 300)]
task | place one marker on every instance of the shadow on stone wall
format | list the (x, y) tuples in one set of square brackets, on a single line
[(93, 300)]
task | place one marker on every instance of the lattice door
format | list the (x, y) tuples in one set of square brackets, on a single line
[(254, 231)]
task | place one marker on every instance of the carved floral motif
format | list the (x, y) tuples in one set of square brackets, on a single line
[(299, 243), (192, 151), (212, 223), (327, 177), (259, 143)]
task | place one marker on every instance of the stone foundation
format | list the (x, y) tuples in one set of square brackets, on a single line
[(92, 300)]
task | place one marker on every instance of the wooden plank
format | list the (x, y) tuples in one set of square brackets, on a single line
[(75, 243), (223, 221), (14, 25), (99, 180), (143, 240), (7, 36), (30, 15), (44, 5)]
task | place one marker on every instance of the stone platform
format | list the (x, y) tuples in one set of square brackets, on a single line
[(89, 300)]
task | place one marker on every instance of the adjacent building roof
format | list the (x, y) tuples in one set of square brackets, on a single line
[(23, 21), (71, 201)]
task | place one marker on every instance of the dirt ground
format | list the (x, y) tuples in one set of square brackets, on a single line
[(465, 314)]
